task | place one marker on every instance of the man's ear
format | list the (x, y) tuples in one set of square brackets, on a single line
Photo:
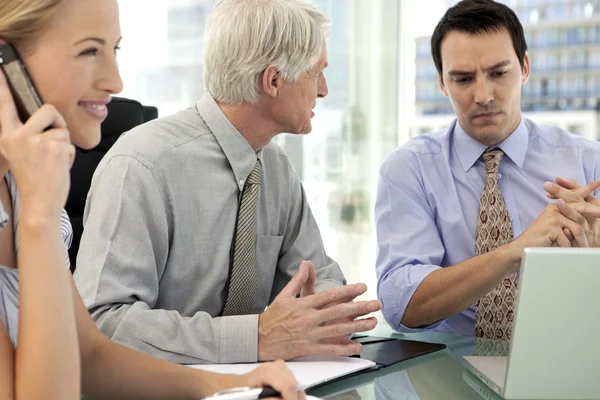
[(526, 69), (442, 87), (271, 81)]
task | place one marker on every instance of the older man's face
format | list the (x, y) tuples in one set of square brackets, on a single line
[(293, 109)]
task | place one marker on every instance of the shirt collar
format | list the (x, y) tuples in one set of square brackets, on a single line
[(239, 153), (470, 150)]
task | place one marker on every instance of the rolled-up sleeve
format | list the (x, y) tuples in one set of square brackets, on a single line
[(122, 257), (409, 247)]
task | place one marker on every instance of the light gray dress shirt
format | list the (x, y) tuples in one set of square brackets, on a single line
[(155, 255)]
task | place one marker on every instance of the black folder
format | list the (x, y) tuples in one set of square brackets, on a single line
[(388, 351)]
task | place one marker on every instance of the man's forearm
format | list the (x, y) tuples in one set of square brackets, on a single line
[(451, 290), (168, 335)]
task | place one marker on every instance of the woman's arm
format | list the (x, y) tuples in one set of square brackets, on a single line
[(7, 365), (46, 362), (47, 357), (112, 371)]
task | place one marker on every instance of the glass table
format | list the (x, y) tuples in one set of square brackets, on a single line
[(438, 375)]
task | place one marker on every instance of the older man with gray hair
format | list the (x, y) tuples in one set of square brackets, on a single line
[(196, 222)]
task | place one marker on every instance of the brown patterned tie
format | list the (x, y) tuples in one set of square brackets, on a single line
[(494, 316), (244, 272)]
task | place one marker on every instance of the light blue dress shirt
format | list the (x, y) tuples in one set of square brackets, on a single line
[(428, 203)]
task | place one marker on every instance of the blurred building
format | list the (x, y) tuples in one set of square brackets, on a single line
[(563, 37)]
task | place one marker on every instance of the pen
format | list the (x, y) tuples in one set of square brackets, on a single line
[(245, 393)]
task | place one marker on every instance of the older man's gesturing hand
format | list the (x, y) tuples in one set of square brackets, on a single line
[(293, 327)]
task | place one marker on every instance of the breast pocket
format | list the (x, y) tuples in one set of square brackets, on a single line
[(267, 254)]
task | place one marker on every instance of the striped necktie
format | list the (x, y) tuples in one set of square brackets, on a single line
[(244, 272)]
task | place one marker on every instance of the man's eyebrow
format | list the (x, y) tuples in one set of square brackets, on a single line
[(500, 64)]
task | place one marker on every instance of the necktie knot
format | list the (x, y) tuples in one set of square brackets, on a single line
[(492, 160), (256, 174)]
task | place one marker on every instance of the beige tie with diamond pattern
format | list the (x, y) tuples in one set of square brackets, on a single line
[(495, 311)]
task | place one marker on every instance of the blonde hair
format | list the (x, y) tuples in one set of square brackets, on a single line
[(243, 37), (22, 20)]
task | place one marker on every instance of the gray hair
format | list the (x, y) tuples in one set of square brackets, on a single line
[(243, 37)]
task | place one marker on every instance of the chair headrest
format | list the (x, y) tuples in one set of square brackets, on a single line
[(150, 113), (123, 115)]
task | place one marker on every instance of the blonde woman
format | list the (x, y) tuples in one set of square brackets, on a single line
[(69, 49)]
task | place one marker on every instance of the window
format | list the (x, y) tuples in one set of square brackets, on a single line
[(425, 130), (544, 87), (355, 127), (383, 89), (576, 129), (186, 22), (575, 35)]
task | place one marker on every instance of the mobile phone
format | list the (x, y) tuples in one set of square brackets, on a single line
[(25, 96)]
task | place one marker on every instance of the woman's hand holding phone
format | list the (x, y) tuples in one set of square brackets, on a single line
[(39, 159)]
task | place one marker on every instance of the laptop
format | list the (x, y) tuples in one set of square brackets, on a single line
[(555, 348)]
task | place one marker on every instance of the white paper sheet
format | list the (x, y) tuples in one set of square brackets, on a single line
[(309, 371)]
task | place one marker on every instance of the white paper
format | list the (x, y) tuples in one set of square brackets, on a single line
[(309, 371)]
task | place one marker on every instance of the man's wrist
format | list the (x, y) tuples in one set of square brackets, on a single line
[(511, 253), (262, 353)]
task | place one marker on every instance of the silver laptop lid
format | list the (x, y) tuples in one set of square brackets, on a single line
[(555, 347)]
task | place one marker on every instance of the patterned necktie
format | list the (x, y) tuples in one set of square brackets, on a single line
[(494, 317), (244, 272)]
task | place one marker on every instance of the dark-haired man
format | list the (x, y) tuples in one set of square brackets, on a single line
[(450, 204)]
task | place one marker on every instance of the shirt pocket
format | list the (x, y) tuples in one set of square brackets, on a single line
[(267, 255)]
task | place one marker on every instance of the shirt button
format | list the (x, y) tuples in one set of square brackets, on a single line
[(499, 175), (241, 182)]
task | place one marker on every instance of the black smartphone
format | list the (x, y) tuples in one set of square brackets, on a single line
[(25, 96)]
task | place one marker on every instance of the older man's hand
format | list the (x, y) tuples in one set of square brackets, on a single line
[(313, 324), (577, 203)]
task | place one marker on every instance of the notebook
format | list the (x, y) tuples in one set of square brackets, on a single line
[(309, 371), (314, 371)]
